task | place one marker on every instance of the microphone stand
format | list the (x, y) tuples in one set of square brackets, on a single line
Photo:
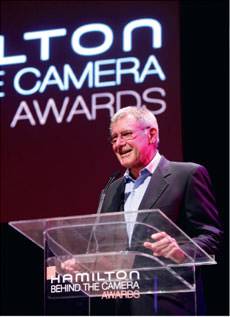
[(93, 230), (101, 201)]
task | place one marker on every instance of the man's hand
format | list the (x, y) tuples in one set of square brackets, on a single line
[(165, 246), (69, 266)]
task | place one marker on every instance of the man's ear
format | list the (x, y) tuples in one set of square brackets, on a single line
[(152, 135)]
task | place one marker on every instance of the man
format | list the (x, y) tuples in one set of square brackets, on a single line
[(181, 190)]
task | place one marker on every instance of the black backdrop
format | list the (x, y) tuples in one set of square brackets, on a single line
[(204, 86)]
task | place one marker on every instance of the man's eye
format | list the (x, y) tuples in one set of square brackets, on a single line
[(127, 134), (114, 139)]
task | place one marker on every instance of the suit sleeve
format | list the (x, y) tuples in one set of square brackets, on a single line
[(202, 222)]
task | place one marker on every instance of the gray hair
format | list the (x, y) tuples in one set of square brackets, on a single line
[(141, 114)]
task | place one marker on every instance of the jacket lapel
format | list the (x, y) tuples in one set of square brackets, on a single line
[(156, 188), (117, 203), (157, 185)]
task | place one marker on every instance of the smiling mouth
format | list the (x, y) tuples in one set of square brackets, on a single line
[(125, 153)]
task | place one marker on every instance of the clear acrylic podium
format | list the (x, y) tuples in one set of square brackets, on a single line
[(92, 256)]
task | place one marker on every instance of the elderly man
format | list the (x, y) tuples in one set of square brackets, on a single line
[(181, 190)]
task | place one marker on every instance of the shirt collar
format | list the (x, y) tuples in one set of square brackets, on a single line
[(148, 169)]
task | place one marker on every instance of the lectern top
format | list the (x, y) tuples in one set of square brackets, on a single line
[(106, 234)]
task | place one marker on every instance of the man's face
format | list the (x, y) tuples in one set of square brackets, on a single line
[(132, 143)]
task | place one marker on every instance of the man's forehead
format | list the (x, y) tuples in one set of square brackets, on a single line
[(125, 122)]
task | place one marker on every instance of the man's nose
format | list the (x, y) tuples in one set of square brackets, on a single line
[(119, 141)]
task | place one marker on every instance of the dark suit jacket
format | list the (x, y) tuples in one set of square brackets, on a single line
[(183, 192)]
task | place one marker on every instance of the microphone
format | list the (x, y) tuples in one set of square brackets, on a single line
[(101, 201), (104, 190)]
